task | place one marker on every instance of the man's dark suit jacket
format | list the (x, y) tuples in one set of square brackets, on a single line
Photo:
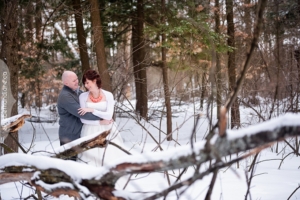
[(69, 122)]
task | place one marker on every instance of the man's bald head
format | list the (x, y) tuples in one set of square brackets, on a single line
[(70, 79)]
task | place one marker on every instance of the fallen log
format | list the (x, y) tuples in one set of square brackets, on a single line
[(12, 124), (49, 173)]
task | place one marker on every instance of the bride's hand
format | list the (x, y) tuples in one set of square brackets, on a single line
[(82, 111), (106, 122)]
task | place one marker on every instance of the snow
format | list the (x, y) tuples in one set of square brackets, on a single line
[(276, 175), (289, 119), (7, 121)]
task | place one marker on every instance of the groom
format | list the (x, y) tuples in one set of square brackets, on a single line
[(68, 104)]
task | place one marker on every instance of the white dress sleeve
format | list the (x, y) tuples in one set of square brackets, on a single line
[(82, 100), (108, 114)]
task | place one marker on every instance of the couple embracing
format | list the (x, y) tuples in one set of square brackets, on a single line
[(86, 113)]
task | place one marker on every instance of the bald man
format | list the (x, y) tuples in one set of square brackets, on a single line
[(68, 104)]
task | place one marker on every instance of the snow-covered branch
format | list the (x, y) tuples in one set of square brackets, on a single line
[(56, 176), (12, 124), (78, 146)]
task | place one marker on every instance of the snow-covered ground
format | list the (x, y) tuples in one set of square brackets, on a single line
[(269, 182)]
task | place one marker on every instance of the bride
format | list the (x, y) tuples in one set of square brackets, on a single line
[(101, 103)]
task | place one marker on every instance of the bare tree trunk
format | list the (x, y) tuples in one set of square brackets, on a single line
[(9, 25), (38, 20), (127, 58), (38, 26), (29, 22), (66, 26), (218, 63), (203, 88), (29, 12), (278, 45), (81, 36), (248, 24), (99, 45), (297, 56), (235, 112), (125, 76), (139, 67), (165, 77)]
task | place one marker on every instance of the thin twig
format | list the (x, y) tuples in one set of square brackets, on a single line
[(293, 192), (211, 186)]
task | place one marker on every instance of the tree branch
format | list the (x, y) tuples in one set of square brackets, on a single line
[(24, 167)]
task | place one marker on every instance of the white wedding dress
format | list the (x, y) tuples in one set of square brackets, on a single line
[(101, 156)]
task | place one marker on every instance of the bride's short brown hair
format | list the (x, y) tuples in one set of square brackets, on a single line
[(92, 75)]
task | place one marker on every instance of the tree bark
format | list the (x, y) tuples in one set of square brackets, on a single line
[(218, 62), (203, 87), (9, 26), (235, 111), (165, 77), (38, 20), (81, 36), (29, 22), (99, 45), (138, 56)]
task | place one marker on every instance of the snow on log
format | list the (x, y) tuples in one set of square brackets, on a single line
[(56, 176), (78, 146), (12, 124)]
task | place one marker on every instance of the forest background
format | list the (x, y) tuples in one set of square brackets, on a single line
[(232, 53)]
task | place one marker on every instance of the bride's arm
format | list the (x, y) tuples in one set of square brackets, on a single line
[(82, 100), (108, 114), (102, 114)]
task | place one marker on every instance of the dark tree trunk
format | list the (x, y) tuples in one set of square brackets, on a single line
[(29, 13), (99, 45), (38, 20), (235, 112), (165, 78), (203, 88), (81, 36), (9, 26), (139, 67), (218, 61), (29, 22)]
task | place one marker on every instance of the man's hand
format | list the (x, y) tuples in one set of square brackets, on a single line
[(106, 122), (82, 111)]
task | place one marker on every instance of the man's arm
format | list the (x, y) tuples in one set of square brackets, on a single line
[(69, 103)]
